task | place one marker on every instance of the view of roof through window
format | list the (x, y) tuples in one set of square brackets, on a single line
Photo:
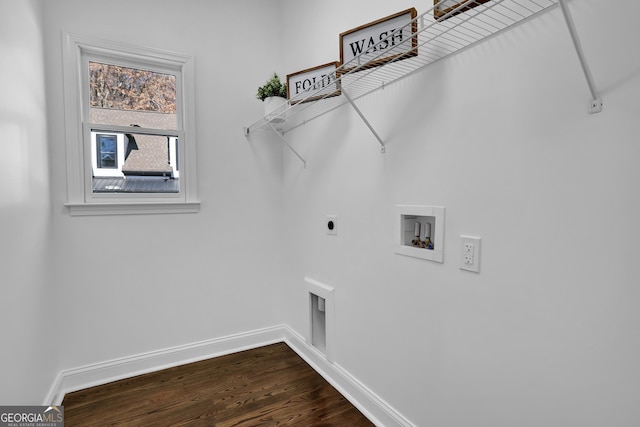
[(125, 96)]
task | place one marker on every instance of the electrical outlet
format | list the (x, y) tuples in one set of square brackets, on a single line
[(470, 253), (332, 225)]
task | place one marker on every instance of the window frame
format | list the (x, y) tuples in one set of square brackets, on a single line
[(78, 51)]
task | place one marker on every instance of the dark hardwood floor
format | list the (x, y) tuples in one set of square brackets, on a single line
[(267, 386)]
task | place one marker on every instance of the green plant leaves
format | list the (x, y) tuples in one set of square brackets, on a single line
[(273, 87)]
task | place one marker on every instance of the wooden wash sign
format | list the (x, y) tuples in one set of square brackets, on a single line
[(387, 39)]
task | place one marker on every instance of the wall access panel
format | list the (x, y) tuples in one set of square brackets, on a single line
[(321, 320)]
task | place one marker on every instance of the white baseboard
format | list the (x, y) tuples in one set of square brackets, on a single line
[(126, 367), (372, 406)]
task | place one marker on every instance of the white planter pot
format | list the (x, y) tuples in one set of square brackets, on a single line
[(274, 109)]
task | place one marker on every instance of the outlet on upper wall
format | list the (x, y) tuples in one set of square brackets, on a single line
[(467, 253), (470, 253), (332, 225)]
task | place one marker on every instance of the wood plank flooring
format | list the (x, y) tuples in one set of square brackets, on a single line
[(267, 386)]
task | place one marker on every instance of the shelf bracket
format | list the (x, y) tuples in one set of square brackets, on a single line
[(284, 140), (595, 106), (364, 119)]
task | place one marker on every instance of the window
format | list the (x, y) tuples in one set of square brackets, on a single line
[(126, 109), (106, 151), (107, 154)]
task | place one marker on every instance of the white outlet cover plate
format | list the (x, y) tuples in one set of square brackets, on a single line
[(475, 242)]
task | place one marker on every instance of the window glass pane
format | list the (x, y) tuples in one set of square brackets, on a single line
[(147, 167), (107, 151), (127, 96)]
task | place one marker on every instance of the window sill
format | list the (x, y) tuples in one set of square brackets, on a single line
[(85, 209)]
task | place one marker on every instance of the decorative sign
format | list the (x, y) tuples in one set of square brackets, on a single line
[(313, 84), (387, 39), (443, 7)]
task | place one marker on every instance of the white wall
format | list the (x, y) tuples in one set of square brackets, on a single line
[(166, 280), (28, 356), (547, 333)]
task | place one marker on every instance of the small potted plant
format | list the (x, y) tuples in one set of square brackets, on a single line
[(274, 96)]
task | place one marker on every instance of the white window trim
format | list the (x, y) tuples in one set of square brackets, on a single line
[(81, 201)]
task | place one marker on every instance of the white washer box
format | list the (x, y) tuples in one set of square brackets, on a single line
[(431, 224)]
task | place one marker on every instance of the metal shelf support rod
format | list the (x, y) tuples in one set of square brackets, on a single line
[(364, 119), (284, 140), (596, 103)]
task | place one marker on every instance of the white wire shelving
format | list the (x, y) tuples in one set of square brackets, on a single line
[(434, 37)]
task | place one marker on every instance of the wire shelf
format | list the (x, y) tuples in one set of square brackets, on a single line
[(450, 25)]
